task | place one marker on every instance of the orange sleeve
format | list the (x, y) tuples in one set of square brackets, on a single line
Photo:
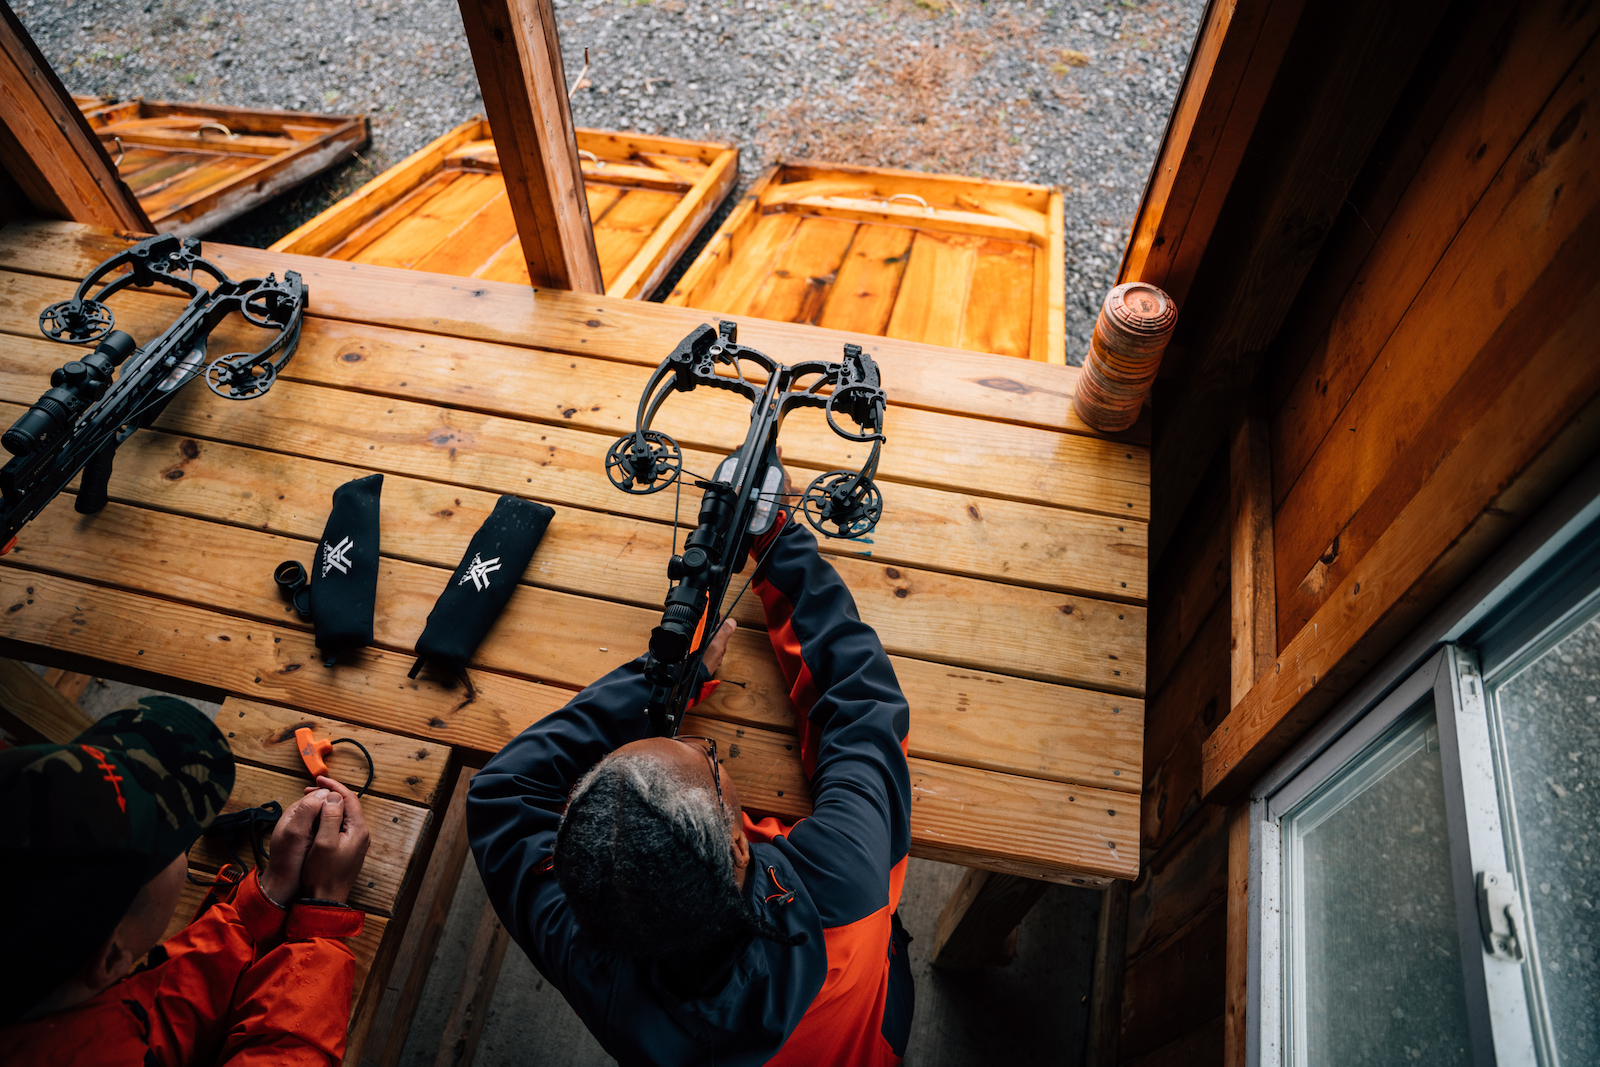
[(293, 1005)]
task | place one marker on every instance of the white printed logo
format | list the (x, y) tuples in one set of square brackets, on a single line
[(336, 556), (479, 571)]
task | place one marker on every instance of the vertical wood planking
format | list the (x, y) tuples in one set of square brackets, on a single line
[(623, 230), (1001, 305), (932, 302), (869, 280), (798, 288), (1236, 1015), (473, 246), (756, 259), (518, 60), (459, 1044), (1254, 596)]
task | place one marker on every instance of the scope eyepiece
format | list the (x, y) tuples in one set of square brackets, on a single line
[(73, 387)]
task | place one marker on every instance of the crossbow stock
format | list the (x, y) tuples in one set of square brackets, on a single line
[(81, 419), (742, 500)]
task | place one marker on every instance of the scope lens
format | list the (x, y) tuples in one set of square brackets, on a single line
[(37, 423)]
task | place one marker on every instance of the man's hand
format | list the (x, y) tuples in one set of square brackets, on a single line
[(339, 845), (291, 838), (717, 647)]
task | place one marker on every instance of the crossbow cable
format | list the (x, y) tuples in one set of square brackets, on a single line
[(740, 502)]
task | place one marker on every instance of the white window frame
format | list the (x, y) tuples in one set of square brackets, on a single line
[(1429, 663)]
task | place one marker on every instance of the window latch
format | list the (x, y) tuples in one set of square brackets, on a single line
[(1500, 915)]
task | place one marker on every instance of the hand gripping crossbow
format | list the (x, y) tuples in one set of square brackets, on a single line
[(742, 501), (82, 418)]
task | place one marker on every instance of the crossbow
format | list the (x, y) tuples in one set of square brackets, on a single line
[(741, 501), (81, 419)]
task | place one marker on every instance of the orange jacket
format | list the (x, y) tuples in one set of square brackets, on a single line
[(244, 983)]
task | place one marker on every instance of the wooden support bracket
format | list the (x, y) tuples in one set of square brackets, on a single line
[(518, 59), (979, 923), (33, 710), (1110, 963)]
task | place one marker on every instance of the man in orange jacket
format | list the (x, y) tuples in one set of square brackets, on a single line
[(94, 840)]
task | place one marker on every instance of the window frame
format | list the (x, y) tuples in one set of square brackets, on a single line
[(1437, 660)]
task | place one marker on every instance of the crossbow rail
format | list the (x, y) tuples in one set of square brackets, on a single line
[(742, 501)]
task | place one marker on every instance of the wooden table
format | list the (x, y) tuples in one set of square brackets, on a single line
[(1007, 578)]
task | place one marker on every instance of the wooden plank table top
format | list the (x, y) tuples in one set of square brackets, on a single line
[(1007, 578)]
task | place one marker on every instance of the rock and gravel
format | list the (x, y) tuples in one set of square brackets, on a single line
[(1063, 92)]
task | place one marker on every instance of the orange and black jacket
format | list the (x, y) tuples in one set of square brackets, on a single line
[(844, 997), (245, 983)]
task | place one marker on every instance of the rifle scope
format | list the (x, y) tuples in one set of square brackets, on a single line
[(73, 387)]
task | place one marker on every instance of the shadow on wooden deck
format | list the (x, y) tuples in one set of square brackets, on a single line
[(1033, 1011)]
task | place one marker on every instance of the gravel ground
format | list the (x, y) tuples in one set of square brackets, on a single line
[(1071, 94)]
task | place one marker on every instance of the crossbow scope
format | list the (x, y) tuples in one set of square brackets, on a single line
[(744, 498)]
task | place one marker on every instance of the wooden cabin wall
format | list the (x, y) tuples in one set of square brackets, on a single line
[(1172, 985), (1437, 377), (1477, 249), (1432, 377)]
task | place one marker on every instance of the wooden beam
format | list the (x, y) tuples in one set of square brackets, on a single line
[(1234, 62), (1530, 414), (518, 59), (979, 924), (69, 683), (437, 892), (1254, 596), (33, 710), (1343, 72), (1237, 1012), (1110, 961), (48, 147), (459, 1044)]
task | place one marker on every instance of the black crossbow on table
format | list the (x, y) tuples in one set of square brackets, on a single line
[(82, 418), (741, 501)]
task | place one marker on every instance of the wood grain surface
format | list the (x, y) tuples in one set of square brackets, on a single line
[(1007, 580)]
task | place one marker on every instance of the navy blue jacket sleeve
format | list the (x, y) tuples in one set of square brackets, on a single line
[(853, 721), (514, 809)]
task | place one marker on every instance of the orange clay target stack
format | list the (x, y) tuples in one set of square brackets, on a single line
[(1130, 335)]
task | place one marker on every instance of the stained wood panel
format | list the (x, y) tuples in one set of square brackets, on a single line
[(933, 259), (195, 166), (1536, 203)]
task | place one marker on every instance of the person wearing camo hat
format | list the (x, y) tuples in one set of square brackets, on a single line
[(94, 841)]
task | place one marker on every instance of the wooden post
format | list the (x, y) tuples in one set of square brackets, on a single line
[(1110, 962), (48, 148), (461, 1033), (1254, 590), (979, 923), (409, 974), (1236, 969), (518, 59)]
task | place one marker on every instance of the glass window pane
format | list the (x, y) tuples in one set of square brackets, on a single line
[(1374, 969), (1549, 720)]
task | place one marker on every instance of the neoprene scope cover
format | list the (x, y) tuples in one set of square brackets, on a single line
[(344, 575), (482, 584)]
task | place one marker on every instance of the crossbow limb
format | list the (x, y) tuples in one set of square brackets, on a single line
[(742, 500)]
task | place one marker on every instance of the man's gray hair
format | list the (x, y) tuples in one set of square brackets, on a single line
[(646, 860)]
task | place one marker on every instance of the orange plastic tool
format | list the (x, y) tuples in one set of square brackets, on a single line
[(312, 751)]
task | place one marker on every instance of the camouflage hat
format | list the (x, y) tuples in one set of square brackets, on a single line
[(83, 827)]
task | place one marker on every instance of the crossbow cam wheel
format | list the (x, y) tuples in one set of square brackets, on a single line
[(856, 401), (644, 467), (77, 322), (843, 499), (233, 378)]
